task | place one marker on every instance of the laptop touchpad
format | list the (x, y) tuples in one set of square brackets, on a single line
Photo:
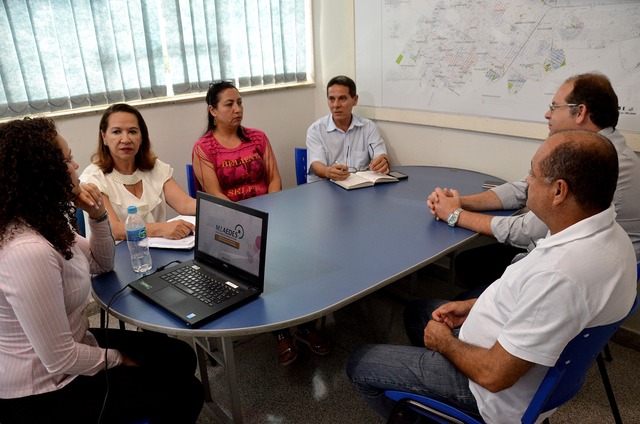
[(170, 295)]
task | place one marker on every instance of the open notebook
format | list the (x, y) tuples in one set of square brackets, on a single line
[(365, 179)]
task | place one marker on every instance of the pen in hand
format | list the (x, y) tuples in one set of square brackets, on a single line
[(337, 171), (339, 167)]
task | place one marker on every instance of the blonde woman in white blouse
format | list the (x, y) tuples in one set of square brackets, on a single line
[(128, 173)]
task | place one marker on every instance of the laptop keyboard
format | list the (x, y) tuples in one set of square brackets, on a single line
[(203, 287)]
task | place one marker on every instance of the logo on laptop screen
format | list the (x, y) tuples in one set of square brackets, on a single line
[(229, 236), (236, 233)]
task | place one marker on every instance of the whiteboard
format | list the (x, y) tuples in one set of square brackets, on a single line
[(492, 60)]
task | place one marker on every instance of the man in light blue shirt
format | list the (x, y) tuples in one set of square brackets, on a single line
[(342, 142)]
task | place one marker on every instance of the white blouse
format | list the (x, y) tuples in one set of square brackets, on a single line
[(152, 205)]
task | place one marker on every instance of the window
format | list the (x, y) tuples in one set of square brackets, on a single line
[(67, 54)]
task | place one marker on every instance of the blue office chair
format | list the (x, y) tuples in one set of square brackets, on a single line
[(191, 181), (561, 383), (82, 229), (605, 376), (301, 165)]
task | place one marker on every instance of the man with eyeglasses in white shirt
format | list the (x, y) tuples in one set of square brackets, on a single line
[(343, 142), (582, 102)]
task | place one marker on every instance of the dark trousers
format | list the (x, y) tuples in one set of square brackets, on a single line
[(475, 269), (483, 265), (163, 389)]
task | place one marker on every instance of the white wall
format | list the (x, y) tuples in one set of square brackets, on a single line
[(411, 144), (285, 115), (504, 156)]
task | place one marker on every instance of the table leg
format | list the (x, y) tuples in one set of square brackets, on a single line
[(232, 378), (204, 374), (452, 268), (227, 359)]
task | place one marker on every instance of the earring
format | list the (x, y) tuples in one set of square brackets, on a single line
[(215, 122)]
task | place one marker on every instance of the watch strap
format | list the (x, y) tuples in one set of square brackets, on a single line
[(452, 220)]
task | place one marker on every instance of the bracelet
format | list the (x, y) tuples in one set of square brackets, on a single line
[(101, 218)]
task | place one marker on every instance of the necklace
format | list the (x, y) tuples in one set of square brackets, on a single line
[(132, 179)]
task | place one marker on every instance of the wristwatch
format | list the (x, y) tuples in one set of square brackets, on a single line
[(452, 220)]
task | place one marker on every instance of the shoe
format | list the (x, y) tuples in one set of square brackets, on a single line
[(316, 341), (287, 351)]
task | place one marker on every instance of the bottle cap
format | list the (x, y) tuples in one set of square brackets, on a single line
[(132, 209)]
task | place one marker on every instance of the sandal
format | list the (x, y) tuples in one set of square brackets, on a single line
[(316, 341), (287, 351)]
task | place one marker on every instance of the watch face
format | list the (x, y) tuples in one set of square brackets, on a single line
[(453, 218)]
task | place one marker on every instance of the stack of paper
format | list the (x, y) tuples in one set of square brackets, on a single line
[(185, 243)]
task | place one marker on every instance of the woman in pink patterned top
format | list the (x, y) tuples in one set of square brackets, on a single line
[(231, 161), (237, 163)]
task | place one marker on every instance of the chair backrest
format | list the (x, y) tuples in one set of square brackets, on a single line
[(565, 379), (191, 181), (301, 165), (82, 228)]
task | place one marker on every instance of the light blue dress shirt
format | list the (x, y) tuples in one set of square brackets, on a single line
[(354, 148), (523, 230)]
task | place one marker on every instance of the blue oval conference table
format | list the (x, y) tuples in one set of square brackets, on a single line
[(326, 247)]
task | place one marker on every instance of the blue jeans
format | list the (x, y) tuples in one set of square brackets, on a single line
[(375, 368), (414, 369)]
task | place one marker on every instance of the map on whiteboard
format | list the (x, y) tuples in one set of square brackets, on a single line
[(502, 59)]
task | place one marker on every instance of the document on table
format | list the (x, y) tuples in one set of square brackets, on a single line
[(186, 243), (364, 179)]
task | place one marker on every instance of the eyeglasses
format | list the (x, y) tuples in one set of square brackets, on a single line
[(552, 107), (353, 169)]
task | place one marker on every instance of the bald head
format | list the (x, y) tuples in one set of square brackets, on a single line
[(587, 162)]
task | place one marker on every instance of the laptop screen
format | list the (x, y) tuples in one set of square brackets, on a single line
[(231, 235)]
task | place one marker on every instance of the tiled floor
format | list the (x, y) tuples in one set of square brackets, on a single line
[(316, 390), (313, 389)]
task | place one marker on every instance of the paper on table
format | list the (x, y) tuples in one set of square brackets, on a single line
[(185, 243)]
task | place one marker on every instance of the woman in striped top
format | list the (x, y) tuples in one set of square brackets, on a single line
[(52, 366)]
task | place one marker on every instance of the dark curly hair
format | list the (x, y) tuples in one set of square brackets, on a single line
[(36, 189), (145, 158)]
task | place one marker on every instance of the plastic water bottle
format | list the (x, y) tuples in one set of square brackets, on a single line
[(137, 241)]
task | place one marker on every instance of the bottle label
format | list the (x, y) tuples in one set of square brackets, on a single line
[(137, 234)]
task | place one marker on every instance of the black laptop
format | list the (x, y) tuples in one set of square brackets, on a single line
[(226, 271)]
